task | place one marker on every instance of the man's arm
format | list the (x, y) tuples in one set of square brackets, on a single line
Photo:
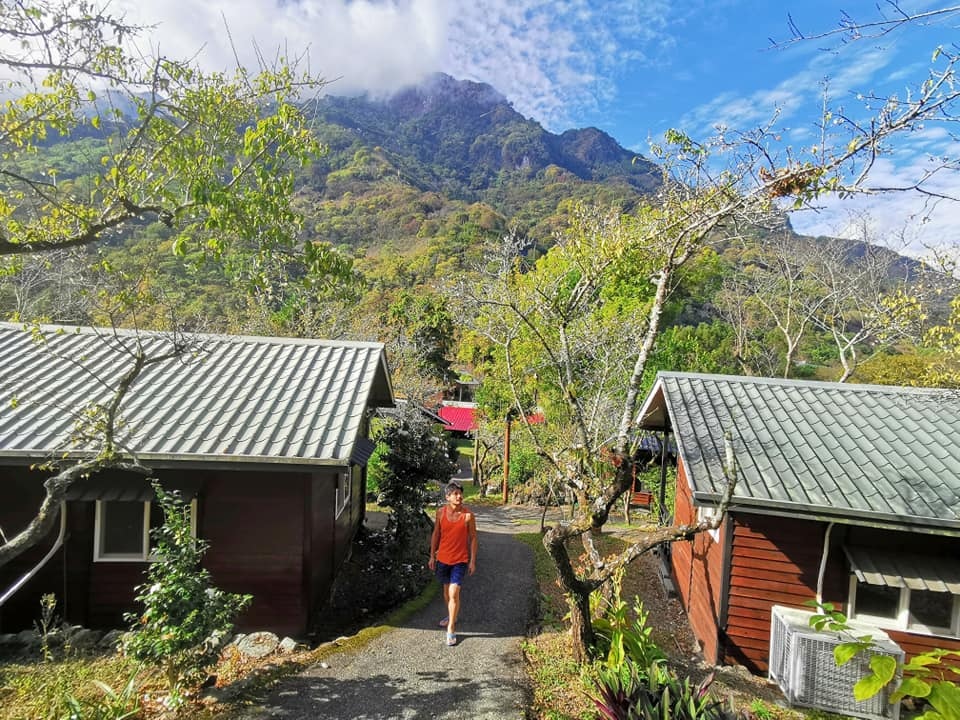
[(472, 534), (434, 541)]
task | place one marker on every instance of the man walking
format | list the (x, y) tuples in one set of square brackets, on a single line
[(453, 552)]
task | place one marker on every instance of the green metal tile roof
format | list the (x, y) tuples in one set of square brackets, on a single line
[(234, 399), (881, 453)]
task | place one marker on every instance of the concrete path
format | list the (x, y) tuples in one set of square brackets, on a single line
[(410, 673)]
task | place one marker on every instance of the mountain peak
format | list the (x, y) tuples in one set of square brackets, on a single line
[(441, 89)]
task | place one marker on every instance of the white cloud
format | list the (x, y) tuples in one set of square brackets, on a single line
[(897, 218), (554, 59), (840, 73), (369, 45)]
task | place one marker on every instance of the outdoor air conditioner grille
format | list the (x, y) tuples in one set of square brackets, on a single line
[(802, 663), (822, 684)]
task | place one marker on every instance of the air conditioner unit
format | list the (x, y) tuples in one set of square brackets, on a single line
[(803, 665)]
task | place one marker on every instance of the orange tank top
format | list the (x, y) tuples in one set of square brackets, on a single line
[(454, 536)]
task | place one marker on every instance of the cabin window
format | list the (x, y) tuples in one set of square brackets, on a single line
[(900, 608), (934, 611), (344, 482), (877, 601), (122, 529)]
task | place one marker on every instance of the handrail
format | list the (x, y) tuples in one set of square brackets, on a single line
[(46, 558)]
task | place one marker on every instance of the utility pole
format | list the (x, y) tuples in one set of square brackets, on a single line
[(506, 457)]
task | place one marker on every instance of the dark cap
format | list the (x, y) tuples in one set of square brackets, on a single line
[(451, 486)]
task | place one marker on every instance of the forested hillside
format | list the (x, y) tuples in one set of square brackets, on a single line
[(418, 191)]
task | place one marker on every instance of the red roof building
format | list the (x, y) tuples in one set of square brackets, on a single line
[(458, 417)]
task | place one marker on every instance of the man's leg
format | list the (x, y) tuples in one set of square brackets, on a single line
[(446, 603), (452, 594)]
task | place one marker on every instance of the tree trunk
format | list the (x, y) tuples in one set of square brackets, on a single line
[(581, 626), (578, 594)]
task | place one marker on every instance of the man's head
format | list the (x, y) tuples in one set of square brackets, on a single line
[(452, 488)]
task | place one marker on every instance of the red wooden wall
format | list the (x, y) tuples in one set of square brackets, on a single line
[(697, 571), (773, 560), (256, 525), (273, 535)]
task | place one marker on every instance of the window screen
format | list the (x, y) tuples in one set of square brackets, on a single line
[(931, 609), (877, 600), (121, 528)]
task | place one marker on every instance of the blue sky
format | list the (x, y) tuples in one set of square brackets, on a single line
[(633, 68)]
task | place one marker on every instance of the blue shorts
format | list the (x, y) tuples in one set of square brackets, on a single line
[(451, 574)]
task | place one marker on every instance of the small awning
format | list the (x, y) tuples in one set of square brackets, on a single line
[(362, 450), (894, 569), (127, 489)]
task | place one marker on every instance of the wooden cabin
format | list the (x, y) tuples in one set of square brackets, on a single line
[(849, 491), (267, 438)]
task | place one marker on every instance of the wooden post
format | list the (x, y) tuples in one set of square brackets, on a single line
[(506, 459), (475, 463)]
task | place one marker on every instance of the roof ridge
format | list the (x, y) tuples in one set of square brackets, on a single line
[(219, 337), (817, 384)]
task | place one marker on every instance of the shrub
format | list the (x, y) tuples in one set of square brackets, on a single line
[(416, 456), (655, 693), (185, 618), (524, 464), (621, 641)]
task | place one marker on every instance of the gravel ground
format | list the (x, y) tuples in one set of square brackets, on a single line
[(410, 673)]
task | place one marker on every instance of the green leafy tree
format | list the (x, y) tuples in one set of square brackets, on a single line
[(552, 317), (209, 155), (416, 457), (185, 618), (422, 333)]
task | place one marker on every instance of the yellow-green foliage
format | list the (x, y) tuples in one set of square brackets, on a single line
[(38, 690)]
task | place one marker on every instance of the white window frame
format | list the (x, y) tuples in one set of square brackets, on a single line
[(344, 490), (145, 555), (709, 514), (902, 620)]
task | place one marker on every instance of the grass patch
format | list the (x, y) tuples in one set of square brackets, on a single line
[(38, 689), (31, 690), (464, 447), (555, 679), (552, 603), (556, 683)]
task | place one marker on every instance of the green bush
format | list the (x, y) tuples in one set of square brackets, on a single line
[(377, 469), (524, 463), (185, 618), (415, 458), (622, 641), (633, 681)]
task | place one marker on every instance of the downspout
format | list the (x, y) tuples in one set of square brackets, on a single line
[(823, 563), (663, 479), (56, 546), (726, 557)]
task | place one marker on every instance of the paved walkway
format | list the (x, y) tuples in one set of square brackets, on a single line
[(409, 672)]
